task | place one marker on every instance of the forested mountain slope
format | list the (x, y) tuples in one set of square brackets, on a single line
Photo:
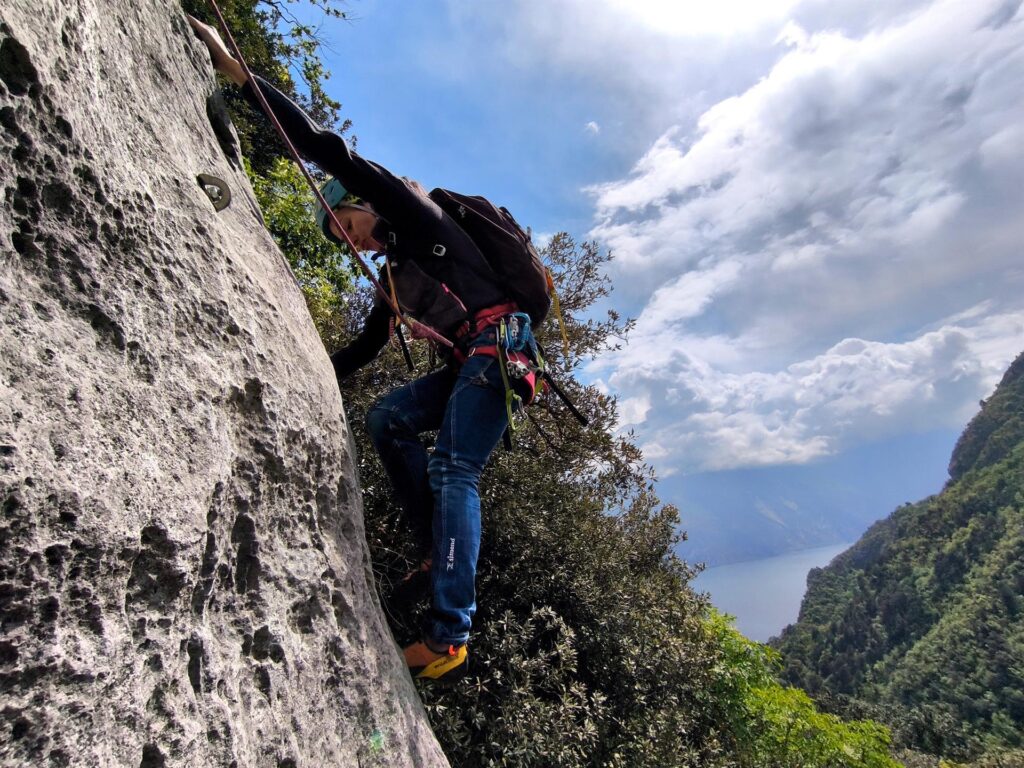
[(924, 616)]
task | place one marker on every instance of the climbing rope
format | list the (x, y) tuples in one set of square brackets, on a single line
[(423, 329)]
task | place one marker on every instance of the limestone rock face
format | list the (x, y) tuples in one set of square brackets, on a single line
[(184, 579)]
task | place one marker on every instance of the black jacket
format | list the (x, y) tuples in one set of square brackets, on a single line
[(418, 295), (412, 226)]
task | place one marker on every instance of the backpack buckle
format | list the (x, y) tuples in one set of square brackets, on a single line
[(440, 250)]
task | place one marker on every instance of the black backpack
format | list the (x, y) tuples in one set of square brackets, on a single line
[(506, 247)]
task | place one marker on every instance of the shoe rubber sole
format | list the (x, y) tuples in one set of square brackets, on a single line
[(446, 670)]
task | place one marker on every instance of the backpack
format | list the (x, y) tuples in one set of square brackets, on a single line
[(506, 247)]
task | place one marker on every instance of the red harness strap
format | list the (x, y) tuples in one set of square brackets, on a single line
[(482, 320), (525, 386), (489, 316)]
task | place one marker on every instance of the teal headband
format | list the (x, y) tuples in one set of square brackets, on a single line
[(335, 194)]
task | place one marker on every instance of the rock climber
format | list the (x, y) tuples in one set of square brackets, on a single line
[(441, 277)]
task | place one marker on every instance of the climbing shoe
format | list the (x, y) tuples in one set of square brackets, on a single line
[(445, 666)]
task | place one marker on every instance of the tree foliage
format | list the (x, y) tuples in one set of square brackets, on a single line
[(323, 270), (279, 46)]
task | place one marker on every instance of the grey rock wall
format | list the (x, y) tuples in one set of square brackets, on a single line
[(184, 579)]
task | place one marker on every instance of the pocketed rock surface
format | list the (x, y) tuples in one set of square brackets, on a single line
[(184, 579)]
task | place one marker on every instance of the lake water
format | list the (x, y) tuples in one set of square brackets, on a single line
[(764, 595)]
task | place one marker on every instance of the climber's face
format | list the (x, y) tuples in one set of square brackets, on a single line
[(359, 224)]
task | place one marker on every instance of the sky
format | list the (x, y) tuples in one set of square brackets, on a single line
[(815, 211)]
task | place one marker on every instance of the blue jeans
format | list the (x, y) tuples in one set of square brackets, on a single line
[(439, 494)]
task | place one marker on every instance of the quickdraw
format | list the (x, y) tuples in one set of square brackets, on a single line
[(518, 356)]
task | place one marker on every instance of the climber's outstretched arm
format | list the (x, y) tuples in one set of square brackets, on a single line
[(223, 61), (391, 198)]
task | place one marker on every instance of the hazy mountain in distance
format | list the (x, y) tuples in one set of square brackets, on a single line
[(748, 514)]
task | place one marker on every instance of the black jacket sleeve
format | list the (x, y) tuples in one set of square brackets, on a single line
[(367, 345), (418, 224), (388, 194)]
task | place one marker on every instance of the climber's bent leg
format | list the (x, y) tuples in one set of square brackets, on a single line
[(394, 424)]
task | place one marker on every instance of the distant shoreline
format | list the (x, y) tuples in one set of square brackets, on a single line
[(788, 553), (764, 594)]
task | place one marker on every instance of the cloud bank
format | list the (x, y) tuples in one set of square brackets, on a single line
[(833, 254)]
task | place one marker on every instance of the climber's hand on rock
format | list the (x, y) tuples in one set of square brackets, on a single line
[(223, 61)]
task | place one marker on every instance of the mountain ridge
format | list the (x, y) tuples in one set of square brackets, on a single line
[(924, 615)]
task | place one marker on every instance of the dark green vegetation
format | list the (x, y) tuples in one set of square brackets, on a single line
[(921, 623), (590, 648)]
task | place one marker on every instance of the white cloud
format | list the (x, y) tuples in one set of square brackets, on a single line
[(701, 418), (633, 411), (646, 64), (861, 198), (541, 240), (869, 138), (592, 128), (690, 294), (1004, 147), (697, 19), (808, 172)]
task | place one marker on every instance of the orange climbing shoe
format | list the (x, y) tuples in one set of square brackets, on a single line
[(444, 666)]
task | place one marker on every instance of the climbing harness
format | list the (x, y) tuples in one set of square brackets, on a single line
[(216, 189), (519, 356), (421, 328), (504, 333)]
